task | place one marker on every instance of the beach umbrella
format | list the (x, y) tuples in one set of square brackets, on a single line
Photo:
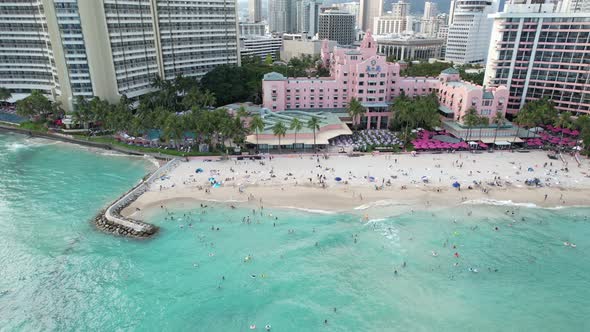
[(371, 178), (456, 185), (337, 179), (199, 170)]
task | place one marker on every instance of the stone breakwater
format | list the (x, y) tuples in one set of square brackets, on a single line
[(111, 220)]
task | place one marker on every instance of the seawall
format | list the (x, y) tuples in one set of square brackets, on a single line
[(111, 221)]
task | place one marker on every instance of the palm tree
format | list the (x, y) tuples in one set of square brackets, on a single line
[(83, 114), (356, 111), (564, 120), (314, 124), (257, 125), (208, 99), (499, 121), (5, 94), (470, 119), (484, 121), (296, 126), (279, 130)]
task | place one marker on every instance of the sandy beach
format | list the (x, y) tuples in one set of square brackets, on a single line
[(371, 182)]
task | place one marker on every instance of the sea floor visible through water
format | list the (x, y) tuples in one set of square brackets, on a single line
[(59, 273)]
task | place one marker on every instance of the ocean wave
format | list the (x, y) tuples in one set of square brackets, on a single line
[(386, 202), (307, 210), (494, 202), (373, 221), (31, 143)]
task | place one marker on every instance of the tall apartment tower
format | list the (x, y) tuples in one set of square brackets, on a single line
[(254, 11), (429, 24), (351, 7), (470, 30), (395, 23), (575, 5), (430, 10), (369, 10), (539, 50), (279, 12), (338, 26), (308, 13), (110, 48), (400, 9)]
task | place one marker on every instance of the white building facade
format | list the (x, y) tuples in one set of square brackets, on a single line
[(470, 30), (110, 48), (368, 11), (540, 50)]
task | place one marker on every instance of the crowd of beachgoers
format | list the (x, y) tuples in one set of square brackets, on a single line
[(345, 183)]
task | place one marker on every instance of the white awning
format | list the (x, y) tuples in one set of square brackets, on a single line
[(503, 143), (511, 139)]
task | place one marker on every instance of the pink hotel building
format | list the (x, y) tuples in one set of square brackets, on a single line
[(367, 76)]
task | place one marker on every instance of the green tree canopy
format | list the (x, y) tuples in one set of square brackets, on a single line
[(5, 94), (356, 111), (279, 130), (36, 106)]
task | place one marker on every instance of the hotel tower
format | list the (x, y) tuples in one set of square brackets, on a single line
[(110, 48)]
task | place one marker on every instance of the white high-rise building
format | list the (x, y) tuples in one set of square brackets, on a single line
[(539, 50), (429, 23), (575, 6), (369, 10), (254, 11), (385, 25), (400, 9), (279, 14), (110, 48), (308, 13), (394, 23), (351, 7), (470, 30), (430, 10)]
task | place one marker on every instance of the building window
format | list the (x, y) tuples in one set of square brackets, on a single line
[(361, 75), (361, 91)]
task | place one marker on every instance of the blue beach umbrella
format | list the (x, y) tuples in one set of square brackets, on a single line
[(338, 179), (199, 170), (456, 185)]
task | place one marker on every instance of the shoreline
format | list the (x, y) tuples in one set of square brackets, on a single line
[(404, 182), (313, 200)]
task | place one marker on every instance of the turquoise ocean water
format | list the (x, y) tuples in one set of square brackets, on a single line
[(58, 273)]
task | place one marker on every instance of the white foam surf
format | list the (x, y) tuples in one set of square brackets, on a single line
[(494, 202), (307, 210), (386, 202)]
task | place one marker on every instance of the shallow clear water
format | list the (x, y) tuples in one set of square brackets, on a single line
[(58, 273)]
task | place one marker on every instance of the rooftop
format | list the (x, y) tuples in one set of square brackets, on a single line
[(274, 76), (330, 127), (450, 71), (488, 95), (468, 86)]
